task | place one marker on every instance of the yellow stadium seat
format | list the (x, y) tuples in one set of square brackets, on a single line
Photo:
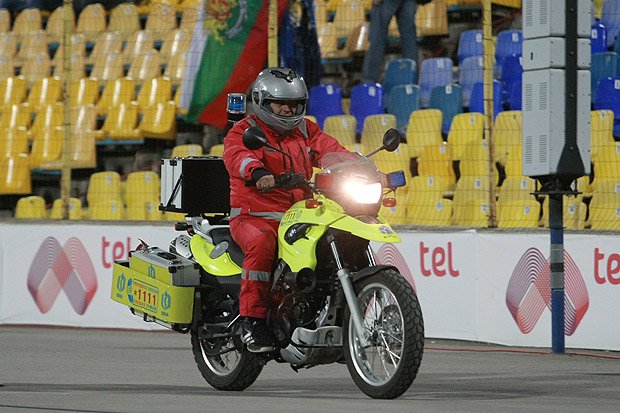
[(424, 128), (429, 211), (145, 67), (575, 211), (507, 133), (31, 46), (607, 162), (472, 213), (15, 116), (48, 117), (392, 161), (56, 24), (107, 209), (5, 21), (45, 92), (605, 205), (357, 43), (7, 66), (84, 91), (8, 43), (92, 21), (14, 141), (116, 92), (432, 19), (124, 18), (12, 91), (175, 69), (216, 150), (436, 161), (328, 42), (144, 211), (189, 17), (46, 146), (470, 188), (105, 43), (311, 118), (30, 207), (161, 19), (154, 91), (177, 101), (424, 187), (77, 63), (175, 41), (137, 44), (605, 217), (375, 127), (183, 151), (348, 14), (518, 214), (15, 175), (103, 186), (36, 68), (108, 67), (341, 127), (159, 121), (396, 215), (516, 189), (27, 21), (514, 162), (601, 130), (142, 186), (475, 160), (121, 122), (75, 209), (465, 128)]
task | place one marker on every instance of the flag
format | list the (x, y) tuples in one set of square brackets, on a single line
[(235, 51)]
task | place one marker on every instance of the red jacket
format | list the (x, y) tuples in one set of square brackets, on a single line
[(241, 162)]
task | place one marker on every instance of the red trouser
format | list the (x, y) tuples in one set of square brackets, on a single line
[(258, 239)]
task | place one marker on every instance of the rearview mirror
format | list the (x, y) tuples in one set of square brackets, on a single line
[(391, 140), (254, 138)]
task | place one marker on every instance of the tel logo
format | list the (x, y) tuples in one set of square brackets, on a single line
[(528, 292), (388, 254), (67, 268)]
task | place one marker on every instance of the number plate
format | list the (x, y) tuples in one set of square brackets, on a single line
[(143, 295)]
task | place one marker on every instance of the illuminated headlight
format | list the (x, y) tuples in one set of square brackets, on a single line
[(363, 193)]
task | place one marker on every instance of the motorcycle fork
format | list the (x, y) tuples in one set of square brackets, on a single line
[(344, 275)]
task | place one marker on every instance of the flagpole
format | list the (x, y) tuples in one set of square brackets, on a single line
[(272, 34)]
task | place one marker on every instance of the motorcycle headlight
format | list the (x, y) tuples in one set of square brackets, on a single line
[(363, 193)]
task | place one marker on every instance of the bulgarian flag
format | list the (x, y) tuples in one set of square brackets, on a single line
[(234, 34)]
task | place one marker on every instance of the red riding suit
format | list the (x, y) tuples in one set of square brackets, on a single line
[(254, 215)]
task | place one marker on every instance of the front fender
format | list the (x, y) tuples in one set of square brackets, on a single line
[(381, 232), (368, 271)]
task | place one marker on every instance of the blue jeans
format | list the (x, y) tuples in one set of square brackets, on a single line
[(380, 17)]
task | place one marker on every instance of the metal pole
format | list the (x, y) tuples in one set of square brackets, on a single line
[(65, 177), (489, 60), (556, 228), (272, 34)]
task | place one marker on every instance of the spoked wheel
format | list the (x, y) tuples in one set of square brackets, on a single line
[(225, 363), (386, 361)]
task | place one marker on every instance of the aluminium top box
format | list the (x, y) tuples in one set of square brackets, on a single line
[(167, 267), (545, 18), (195, 185)]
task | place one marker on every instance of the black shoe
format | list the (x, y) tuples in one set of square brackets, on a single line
[(254, 334)]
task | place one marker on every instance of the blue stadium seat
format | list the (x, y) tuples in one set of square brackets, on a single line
[(509, 42), (366, 99), (447, 99), (403, 100), (476, 100), (598, 38), (512, 72), (471, 71), (603, 65), (398, 72), (434, 72), (325, 100), (470, 44), (608, 97), (514, 100), (610, 18)]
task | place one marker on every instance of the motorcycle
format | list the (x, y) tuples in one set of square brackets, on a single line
[(331, 301)]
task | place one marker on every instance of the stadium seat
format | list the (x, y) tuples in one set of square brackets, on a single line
[(189, 18), (216, 150), (341, 127), (436, 162), (36, 68), (75, 209), (30, 207), (12, 91), (403, 100), (471, 188), (507, 134), (398, 72), (574, 216), (427, 211), (137, 44), (466, 128), (105, 43), (56, 24), (470, 45), (424, 128), (598, 38), (608, 97), (175, 41), (325, 100), (476, 99), (604, 65), (347, 15), (514, 161), (518, 214), (471, 71), (607, 162), (158, 121), (145, 67), (396, 215), (8, 43), (512, 72), (449, 101), (7, 66), (472, 213), (124, 18), (44, 92), (5, 21), (374, 129), (161, 19), (15, 116), (84, 91), (610, 18), (605, 204), (357, 43), (516, 189), (514, 99), (183, 151), (47, 117), (121, 122), (15, 175), (154, 91), (92, 21), (107, 209), (77, 62), (30, 46), (142, 186), (509, 42), (601, 130), (114, 93), (144, 211), (26, 22), (434, 72), (14, 142), (108, 67), (175, 69), (366, 99), (103, 186), (475, 160), (46, 146), (399, 160)]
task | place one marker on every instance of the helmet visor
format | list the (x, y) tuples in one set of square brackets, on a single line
[(285, 107)]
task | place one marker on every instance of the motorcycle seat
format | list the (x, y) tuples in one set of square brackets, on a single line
[(223, 234)]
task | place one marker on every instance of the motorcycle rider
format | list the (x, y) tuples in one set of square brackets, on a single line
[(279, 98)]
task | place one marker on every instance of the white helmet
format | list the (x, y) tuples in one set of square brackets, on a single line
[(279, 84)]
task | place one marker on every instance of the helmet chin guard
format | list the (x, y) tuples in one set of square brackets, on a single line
[(279, 84)]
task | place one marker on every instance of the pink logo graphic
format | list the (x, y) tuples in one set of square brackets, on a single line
[(528, 292), (68, 268), (388, 254)]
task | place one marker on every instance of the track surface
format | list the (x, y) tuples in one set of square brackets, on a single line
[(70, 370)]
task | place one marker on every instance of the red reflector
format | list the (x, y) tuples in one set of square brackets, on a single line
[(312, 203), (323, 181), (389, 202)]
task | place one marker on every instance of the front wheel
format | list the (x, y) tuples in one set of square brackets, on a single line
[(225, 363), (387, 363)]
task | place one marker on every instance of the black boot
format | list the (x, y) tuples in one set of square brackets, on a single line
[(255, 335)]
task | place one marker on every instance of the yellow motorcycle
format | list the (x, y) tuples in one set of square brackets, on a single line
[(331, 302)]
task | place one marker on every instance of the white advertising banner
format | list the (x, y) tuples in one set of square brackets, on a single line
[(483, 286)]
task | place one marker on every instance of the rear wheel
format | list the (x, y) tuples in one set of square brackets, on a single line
[(225, 363), (385, 363)]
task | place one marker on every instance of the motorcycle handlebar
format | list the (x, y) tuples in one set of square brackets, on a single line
[(285, 181)]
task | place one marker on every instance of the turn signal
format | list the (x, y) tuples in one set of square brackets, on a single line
[(389, 202), (312, 203)]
